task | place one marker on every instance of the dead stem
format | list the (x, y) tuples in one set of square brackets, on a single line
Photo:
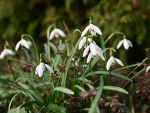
[(23, 62)]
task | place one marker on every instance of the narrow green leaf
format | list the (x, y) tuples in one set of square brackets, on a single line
[(106, 73), (64, 90), (10, 103), (57, 109), (115, 88), (125, 67), (69, 61), (93, 62), (94, 102), (86, 80), (127, 110), (80, 88), (32, 92)]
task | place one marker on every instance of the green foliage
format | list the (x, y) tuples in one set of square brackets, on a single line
[(73, 84)]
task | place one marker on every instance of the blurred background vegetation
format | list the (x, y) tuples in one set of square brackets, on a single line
[(132, 17)]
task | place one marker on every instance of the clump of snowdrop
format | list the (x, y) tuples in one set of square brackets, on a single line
[(112, 61), (94, 50), (6, 51), (92, 29), (22, 42), (56, 33), (126, 43), (42, 67)]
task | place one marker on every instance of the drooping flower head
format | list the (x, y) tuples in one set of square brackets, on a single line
[(94, 50), (126, 43), (92, 29), (22, 42), (56, 33), (112, 61), (6, 51), (42, 67)]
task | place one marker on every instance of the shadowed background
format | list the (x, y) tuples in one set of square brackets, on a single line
[(132, 17)]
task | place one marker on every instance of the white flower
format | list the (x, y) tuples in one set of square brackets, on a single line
[(41, 68), (22, 42), (126, 43), (95, 50), (112, 61), (29, 43), (6, 52), (92, 29), (56, 32), (148, 68), (82, 42)]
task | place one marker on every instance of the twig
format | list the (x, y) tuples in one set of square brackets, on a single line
[(67, 29)]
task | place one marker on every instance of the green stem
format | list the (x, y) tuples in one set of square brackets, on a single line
[(96, 99), (134, 69), (103, 48), (37, 56), (48, 34), (118, 32)]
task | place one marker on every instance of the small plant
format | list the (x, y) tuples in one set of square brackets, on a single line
[(73, 76)]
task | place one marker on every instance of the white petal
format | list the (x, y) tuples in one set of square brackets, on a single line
[(101, 55), (109, 63), (41, 69), (148, 68), (29, 42), (52, 34), (97, 30), (17, 45), (3, 53), (24, 43), (126, 44), (89, 57), (130, 44), (93, 49), (93, 32), (119, 61), (82, 42), (119, 44), (36, 70), (99, 49), (60, 32), (85, 31), (89, 40), (86, 51), (49, 68), (10, 52)]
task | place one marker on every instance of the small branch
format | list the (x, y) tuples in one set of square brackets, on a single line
[(67, 29), (23, 62)]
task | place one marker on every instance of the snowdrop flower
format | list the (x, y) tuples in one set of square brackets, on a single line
[(29, 43), (82, 42), (22, 42), (148, 68), (112, 60), (126, 43), (92, 29), (6, 52), (95, 50), (56, 32), (41, 68)]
